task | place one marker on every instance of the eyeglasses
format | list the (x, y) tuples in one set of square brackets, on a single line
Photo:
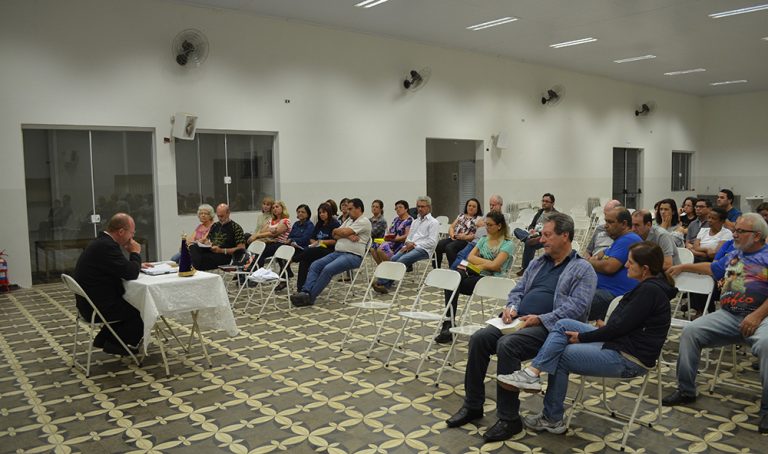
[(700, 206), (743, 231)]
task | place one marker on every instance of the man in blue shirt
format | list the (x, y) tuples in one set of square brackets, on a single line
[(612, 280), (742, 318), (558, 285)]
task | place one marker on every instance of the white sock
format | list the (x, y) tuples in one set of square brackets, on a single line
[(530, 372)]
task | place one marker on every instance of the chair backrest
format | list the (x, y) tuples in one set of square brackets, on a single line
[(494, 287), (75, 288), (612, 307), (443, 220), (285, 252), (256, 248), (443, 279), (694, 283), (443, 229), (686, 256), (394, 271)]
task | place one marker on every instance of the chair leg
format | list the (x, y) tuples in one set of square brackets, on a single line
[(378, 331), (445, 360), (74, 343), (576, 402), (399, 335), (634, 412), (349, 329), (717, 370), (425, 355)]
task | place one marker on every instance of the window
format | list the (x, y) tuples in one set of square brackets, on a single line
[(203, 164), (681, 170)]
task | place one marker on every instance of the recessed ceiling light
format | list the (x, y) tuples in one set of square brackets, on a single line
[(687, 71), (370, 3), (733, 12), (573, 43), (728, 82), (493, 23), (627, 60)]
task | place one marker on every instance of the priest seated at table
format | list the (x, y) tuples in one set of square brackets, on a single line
[(225, 240)]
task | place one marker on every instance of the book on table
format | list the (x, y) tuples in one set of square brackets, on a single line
[(506, 328)]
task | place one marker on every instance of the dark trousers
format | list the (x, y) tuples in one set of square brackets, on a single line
[(511, 350), (529, 252), (203, 259), (466, 287), (449, 247), (130, 328), (305, 260), (600, 303)]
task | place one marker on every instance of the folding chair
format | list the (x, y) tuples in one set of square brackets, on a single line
[(96, 320), (610, 414), (440, 279), (386, 270), (353, 274), (443, 230), (284, 253), (254, 250), (685, 254), (691, 283), (489, 287)]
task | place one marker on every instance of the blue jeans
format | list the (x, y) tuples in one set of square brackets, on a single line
[(322, 270), (718, 329), (407, 258), (464, 253), (558, 358)]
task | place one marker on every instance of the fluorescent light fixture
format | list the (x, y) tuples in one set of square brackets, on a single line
[(573, 43), (687, 71), (728, 82), (627, 60), (370, 3), (734, 12), (493, 23)]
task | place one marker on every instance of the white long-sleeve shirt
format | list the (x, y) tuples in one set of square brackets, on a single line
[(424, 233)]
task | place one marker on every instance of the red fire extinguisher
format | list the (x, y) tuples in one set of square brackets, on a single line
[(4, 271)]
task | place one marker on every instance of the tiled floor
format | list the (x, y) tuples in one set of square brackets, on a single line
[(283, 385)]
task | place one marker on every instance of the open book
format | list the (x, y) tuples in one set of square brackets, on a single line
[(506, 328), (159, 268)]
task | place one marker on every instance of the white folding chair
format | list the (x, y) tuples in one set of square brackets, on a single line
[(254, 250), (489, 287), (443, 220), (353, 274), (609, 414), (685, 254), (443, 230), (284, 253), (691, 283), (439, 279), (96, 320), (393, 271)]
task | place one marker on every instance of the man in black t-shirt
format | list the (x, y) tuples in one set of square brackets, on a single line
[(224, 241)]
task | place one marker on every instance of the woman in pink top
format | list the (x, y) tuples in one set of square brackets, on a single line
[(275, 233), (205, 215)]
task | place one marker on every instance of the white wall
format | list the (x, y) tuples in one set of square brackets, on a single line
[(349, 129)]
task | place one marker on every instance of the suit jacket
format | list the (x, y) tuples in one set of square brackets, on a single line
[(100, 271)]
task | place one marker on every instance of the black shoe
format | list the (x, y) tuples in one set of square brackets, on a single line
[(520, 273), (115, 348), (763, 426), (445, 337), (281, 286), (409, 269), (101, 338), (677, 398), (302, 300), (464, 416), (503, 430)]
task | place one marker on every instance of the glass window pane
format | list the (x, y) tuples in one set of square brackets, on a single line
[(213, 168), (187, 175), (243, 169)]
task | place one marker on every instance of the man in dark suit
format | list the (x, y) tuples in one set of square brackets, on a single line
[(100, 271)]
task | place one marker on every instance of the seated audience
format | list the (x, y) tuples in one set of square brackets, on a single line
[(557, 285), (225, 241), (725, 201), (492, 256), (460, 233), (275, 232), (395, 238), (623, 347), (263, 218), (344, 207), (378, 223), (205, 215), (600, 239), (668, 218), (321, 243), (334, 208), (687, 214), (496, 203), (420, 243), (351, 246), (709, 240), (701, 207), (531, 237), (610, 264), (741, 319), (302, 229), (642, 224)]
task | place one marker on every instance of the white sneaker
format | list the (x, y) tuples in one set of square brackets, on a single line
[(521, 380), (540, 423)]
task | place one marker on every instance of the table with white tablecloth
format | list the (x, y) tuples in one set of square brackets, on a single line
[(200, 299)]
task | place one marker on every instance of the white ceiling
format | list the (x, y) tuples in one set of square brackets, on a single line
[(678, 32)]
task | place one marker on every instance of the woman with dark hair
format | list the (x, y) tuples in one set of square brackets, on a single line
[(491, 256), (460, 233), (687, 211), (302, 229), (378, 223), (625, 346), (396, 235), (334, 208), (709, 240), (321, 243), (343, 206), (668, 218)]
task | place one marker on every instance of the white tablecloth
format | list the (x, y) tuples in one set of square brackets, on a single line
[(172, 296)]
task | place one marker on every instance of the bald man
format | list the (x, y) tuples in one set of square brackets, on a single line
[(100, 271), (225, 240), (600, 239)]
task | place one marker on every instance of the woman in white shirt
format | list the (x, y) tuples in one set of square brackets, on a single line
[(710, 239)]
